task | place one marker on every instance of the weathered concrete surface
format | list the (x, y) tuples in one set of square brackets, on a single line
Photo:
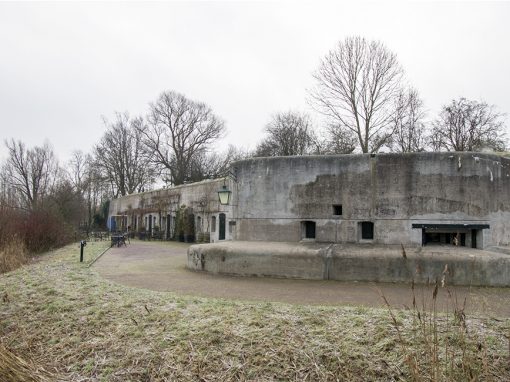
[(272, 198), (163, 205), (355, 262), (504, 250), (259, 259), (394, 191)]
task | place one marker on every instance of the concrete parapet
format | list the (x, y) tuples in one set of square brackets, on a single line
[(258, 259), (348, 262)]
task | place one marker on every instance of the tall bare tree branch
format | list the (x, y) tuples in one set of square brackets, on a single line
[(120, 157), (409, 130), (356, 85), (179, 130)]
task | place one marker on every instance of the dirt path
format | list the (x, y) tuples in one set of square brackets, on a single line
[(160, 266)]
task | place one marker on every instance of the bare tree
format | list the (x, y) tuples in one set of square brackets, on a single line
[(336, 141), (179, 130), (85, 178), (289, 133), (98, 194), (120, 156), (409, 132), (78, 169), (466, 125), (30, 172), (356, 87), (211, 165)]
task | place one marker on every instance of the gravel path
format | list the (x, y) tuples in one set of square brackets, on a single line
[(160, 266)]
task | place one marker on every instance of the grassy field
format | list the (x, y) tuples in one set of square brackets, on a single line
[(59, 315)]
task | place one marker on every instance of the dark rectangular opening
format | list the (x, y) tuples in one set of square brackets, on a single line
[(308, 229), (337, 209), (221, 234), (367, 230), (450, 238)]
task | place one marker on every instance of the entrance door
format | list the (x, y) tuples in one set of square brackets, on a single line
[(222, 227), (168, 222)]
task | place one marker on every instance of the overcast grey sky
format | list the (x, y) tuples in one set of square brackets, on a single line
[(64, 65)]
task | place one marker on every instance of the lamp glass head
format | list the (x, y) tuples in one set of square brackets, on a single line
[(224, 195)]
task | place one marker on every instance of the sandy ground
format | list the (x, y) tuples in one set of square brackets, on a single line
[(160, 266)]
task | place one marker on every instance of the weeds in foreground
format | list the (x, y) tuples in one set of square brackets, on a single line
[(13, 254), (442, 346)]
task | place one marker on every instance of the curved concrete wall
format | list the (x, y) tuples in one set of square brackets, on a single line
[(273, 196), (352, 262)]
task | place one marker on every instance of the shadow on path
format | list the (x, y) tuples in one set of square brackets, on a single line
[(160, 266)]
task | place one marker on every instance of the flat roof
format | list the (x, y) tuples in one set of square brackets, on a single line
[(450, 226)]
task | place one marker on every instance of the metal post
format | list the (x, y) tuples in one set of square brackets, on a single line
[(83, 243)]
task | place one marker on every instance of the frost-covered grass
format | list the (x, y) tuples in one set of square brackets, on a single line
[(61, 315)]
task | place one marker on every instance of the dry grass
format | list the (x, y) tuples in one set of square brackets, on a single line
[(13, 255), (15, 369), (60, 314), (449, 347)]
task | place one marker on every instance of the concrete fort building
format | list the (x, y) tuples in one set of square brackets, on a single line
[(322, 209)]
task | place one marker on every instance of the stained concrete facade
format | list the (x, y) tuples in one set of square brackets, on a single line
[(409, 199), (443, 195), (156, 211)]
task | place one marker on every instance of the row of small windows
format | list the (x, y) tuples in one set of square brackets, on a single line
[(337, 211), (308, 230)]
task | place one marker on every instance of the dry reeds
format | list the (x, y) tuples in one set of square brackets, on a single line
[(15, 369), (440, 347), (13, 254)]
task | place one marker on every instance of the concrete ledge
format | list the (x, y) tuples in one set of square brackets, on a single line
[(350, 262)]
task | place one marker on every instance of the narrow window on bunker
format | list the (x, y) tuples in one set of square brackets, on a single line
[(308, 230), (199, 224), (213, 224), (337, 209), (367, 230)]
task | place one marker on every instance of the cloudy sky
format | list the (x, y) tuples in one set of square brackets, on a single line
[(65, 65)]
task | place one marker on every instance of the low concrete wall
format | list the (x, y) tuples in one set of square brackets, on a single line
[(456, 266), (258, 259)]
